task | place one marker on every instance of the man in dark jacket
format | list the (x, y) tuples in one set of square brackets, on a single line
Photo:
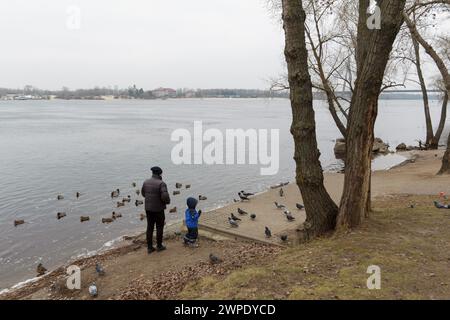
[(156, 198)]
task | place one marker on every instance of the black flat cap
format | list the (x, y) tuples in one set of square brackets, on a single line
[(156, 170)]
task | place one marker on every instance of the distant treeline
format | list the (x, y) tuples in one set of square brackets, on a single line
[(134, 92)]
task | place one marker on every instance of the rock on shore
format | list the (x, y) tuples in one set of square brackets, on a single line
[(379, 147)]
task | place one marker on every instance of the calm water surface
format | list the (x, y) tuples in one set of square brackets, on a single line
[(61, 147)]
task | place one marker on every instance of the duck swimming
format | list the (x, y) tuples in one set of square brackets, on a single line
[(107, 220), (60, 215), (40, 270), (60, 197), (18, 222), (200, 197), (176, 192), (84, 218), (116, 215), (115, 193), (138, 203)]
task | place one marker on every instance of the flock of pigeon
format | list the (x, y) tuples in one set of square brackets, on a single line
[(234, 220)]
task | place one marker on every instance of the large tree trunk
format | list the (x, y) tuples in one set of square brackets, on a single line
[(320, 209), (373, 50), (426, 103), (440, 129), (445, 169)]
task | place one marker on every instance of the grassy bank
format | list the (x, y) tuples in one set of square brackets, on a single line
[(410, 245)]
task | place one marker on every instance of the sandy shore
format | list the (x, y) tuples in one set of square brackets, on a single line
[(130, 267), (415, 176)]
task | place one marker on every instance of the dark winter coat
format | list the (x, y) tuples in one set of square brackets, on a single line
[(156, 195)]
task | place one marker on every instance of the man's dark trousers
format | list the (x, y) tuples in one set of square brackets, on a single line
[(153, 218)]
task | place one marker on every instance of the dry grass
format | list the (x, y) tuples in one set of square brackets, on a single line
[(410, 245)]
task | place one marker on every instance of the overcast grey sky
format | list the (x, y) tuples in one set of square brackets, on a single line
[(150, 43), (175, 43)]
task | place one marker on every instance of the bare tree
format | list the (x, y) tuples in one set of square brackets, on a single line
[(421, 15), (429, 49), (321, 211)]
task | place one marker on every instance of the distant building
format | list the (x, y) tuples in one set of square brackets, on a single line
[(164, 93), (190, 94), (10, 96)]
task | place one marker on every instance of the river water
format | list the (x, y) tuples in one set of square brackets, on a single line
[(93, 147)]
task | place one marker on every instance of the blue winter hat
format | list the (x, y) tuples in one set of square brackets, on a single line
[(191, 202)]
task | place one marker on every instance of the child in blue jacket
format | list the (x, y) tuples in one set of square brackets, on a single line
[(191, 218)]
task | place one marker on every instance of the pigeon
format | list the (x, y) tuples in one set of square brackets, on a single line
[(233, 223), (281, 192), (127, 199), (289, 216), (279, 205), (299, 206), (138, 203), (214, 259), (93, 290), (40, 270), (173, 210), (247, 194), (240, 211), (60, 197), (235, 218), (100, 271), (18, 222), (253, 216), (283, 237), (133, 184), (78, 195), (188, 186), (176, 192), (243, 197), (107, 220), (200, 197), (178, 185), (115, 194), (440, 205), (60, 215), (268, 233), (138, 192), (120, 204)]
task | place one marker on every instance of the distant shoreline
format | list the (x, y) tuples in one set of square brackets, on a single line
[(391, 98)]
